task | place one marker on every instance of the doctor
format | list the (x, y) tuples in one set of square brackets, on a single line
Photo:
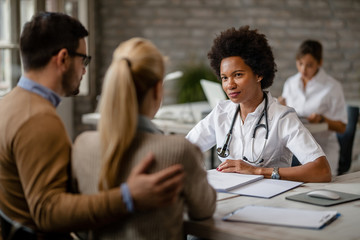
[(254, 134), (317, 96)]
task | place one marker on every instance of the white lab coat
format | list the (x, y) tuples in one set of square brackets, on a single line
[(323, 95), (287, 134)]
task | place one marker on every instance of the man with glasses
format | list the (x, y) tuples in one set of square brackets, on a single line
[(86, 58), (35, 198)]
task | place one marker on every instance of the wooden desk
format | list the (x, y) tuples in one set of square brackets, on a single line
[(347, 226)]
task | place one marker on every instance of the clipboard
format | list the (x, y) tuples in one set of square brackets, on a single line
[(289, 217), (344, 197)]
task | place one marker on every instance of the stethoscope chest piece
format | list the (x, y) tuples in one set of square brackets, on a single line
[(222, 152)]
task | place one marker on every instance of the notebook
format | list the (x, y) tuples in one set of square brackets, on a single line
[(248, 185), (229, 181), (213, 92)]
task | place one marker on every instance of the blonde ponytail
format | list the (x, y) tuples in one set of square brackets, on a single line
[(136, 67), (118, 129)]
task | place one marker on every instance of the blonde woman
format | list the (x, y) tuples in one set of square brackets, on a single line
[(132, 93)]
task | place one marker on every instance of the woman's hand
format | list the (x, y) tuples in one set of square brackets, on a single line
[(282, 100), (316, 118), (237, 166), (333, 125)]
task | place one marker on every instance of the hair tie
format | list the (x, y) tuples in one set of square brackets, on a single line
[(127, 60)]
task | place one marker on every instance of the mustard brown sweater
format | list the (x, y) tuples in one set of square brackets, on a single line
[(35, 154)]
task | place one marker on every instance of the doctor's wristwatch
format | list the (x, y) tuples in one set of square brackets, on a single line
[(275, 173)]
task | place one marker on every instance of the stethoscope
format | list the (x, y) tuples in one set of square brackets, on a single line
[(224, 151)]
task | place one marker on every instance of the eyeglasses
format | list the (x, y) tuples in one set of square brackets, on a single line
[(86, 59)]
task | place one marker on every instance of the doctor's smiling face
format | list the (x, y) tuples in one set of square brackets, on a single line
[(238, 80)]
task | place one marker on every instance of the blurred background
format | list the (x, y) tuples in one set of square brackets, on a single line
[(183, 30)]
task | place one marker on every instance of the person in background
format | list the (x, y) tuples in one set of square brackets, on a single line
[(131, 96), (35, 150), (253, 133), (318, 98)]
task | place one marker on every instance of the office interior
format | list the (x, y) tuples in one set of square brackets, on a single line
[(183, 30)]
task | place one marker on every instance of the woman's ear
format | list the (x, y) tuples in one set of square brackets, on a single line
[(259, 78)]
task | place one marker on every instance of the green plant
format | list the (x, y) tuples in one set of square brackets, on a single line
[(189, 88)]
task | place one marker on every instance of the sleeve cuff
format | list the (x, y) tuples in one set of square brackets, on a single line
[(126, 196)]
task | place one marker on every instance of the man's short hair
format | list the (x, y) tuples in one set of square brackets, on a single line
[(45, 35)]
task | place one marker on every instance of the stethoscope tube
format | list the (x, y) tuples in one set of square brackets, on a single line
[(224, 151), (259, 124)]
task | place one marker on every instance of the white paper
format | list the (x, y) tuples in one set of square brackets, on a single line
[(282, 216), (227, 181), (266, 188), (248, 185)]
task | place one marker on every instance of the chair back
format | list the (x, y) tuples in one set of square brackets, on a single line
[(346, 140), (12, 230)]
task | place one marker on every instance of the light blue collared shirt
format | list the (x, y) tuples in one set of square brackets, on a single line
[(39, 89)]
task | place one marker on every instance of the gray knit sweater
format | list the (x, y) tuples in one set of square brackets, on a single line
[(198, 197)]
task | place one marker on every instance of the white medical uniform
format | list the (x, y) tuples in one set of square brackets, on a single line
[(287, 134), (322, 95)]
